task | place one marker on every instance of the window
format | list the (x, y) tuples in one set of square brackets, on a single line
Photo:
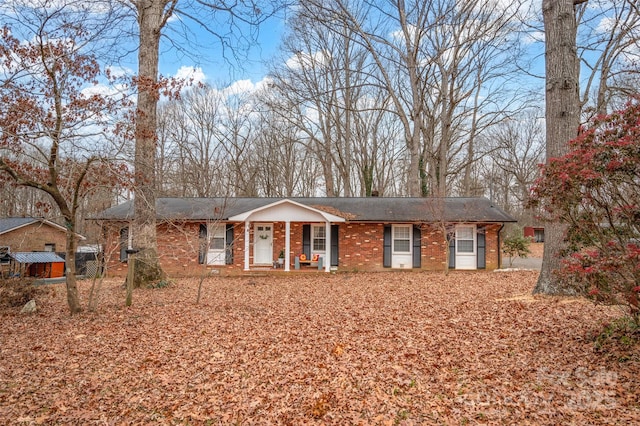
[(465, 239), (4, 254), (538, 235), (401, 239), (319, 238), (50, 247), (217, 238)]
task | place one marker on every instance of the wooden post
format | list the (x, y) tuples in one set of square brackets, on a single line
[(130, 274)]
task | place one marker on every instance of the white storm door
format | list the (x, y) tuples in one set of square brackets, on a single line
[(466, 247), (263, 243), (401, 249), (216, 253)]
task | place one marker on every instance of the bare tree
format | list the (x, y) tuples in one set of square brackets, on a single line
[(517, 150), (609, 50), (342, 116), (56, 128), (152, 18), (287, 166), (562, 115), (440, 63)]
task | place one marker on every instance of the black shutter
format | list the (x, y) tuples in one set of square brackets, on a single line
[(334, 244), (228, 245), (482, 249), (417, 247), (202, 244), (306, 240), (452, 252), (386, 252), (124, 244)]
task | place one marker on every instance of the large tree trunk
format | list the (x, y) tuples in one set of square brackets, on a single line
[(562, 117), (151, 21)]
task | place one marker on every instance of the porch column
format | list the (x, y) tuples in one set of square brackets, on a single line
[(287, 246), (246, 245), (327, 261)]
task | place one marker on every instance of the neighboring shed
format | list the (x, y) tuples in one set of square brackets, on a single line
[(37, 264)]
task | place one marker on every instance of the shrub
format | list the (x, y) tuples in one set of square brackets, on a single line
[(16, 292), (621, 337), (516, 244)]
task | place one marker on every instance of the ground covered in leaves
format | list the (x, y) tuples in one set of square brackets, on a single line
[(383, 348)]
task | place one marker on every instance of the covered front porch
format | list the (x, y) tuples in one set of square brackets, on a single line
[(314, 235)]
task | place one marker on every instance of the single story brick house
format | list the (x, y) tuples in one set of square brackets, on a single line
[(235, 235)]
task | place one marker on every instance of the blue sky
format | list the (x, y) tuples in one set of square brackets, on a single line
[(206, 54)]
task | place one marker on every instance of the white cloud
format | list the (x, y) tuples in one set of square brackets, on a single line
[(191, 73), (238, 87), (118, 71), (265, 84), (305, 60)]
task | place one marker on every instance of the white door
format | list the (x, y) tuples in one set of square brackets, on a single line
[(263, 242), (216, 253), (466, 247)]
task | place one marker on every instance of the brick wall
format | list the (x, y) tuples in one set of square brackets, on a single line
[(361, 248), (34, 237), (493, 251), (434, 249)]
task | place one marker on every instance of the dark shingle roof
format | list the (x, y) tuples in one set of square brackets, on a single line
[(10, 223), (357, 209)]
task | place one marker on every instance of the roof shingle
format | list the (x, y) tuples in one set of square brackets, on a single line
[(358, 209)]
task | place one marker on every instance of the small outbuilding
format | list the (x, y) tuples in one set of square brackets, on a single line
[(37, 264)]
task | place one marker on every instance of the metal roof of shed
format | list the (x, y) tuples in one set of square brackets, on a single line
[(36, 257)]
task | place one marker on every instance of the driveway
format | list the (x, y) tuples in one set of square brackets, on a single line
[(520, 263)]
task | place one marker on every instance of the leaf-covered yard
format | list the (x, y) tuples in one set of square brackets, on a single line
[(384, 348)]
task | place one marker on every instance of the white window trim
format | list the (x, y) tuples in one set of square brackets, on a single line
[(474, 238), (314, 228), (393, 239)]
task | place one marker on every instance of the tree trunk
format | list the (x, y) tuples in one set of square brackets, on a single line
[(562, 117), (147, 267), (70, 270)]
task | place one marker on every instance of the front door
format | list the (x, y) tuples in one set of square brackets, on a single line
[(263, 244)]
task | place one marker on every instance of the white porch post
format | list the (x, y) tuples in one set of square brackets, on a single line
[(287, 246), (327, 261), (246, 245)]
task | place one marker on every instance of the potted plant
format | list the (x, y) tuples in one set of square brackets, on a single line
[(281, 257)]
